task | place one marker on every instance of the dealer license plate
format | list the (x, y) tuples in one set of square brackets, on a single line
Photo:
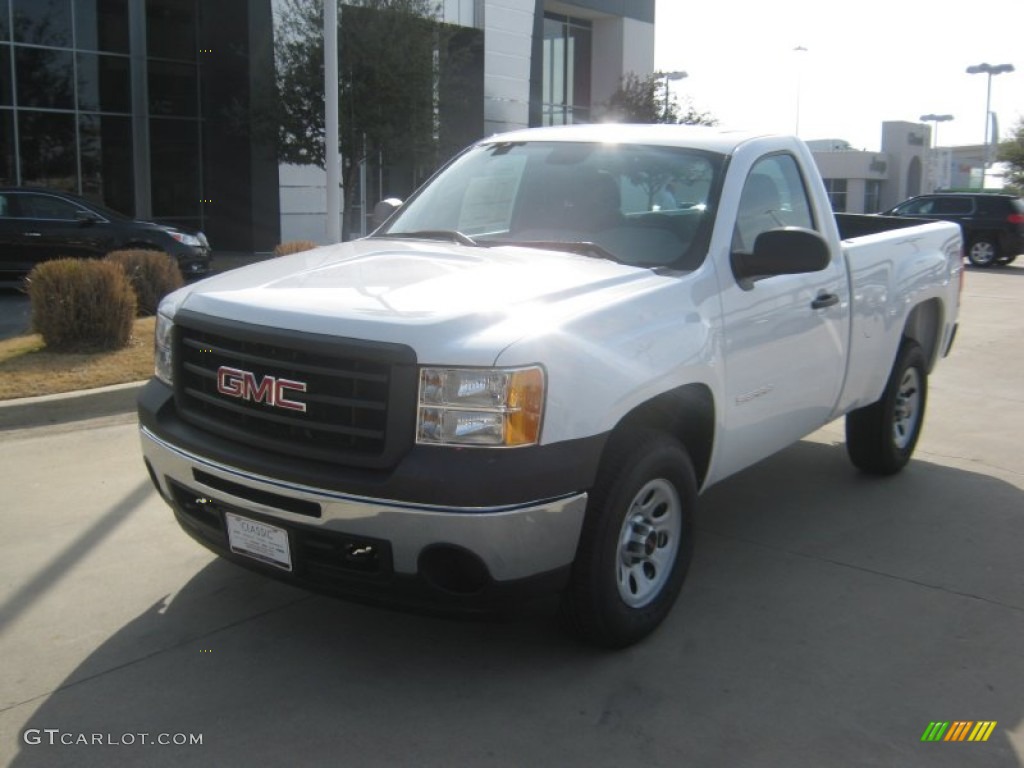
[(263, 542)]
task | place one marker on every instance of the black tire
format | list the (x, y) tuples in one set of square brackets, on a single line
[(983, 251), (636, 544), (880, 438), (1006, 260)]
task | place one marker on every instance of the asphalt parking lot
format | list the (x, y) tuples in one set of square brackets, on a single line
[(829, 618)]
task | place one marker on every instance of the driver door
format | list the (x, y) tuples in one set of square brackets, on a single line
[(784, 336)]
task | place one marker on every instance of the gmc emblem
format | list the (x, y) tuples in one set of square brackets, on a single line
[(269, 390)]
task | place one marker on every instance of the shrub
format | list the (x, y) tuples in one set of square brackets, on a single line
[(294, 246), (153, 274), (81, 305)]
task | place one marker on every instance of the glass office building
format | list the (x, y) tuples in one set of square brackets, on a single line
[(135, 104)]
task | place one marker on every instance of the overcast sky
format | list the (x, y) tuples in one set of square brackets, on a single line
[(866, 61)]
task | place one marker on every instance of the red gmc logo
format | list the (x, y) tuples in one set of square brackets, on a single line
[(271, 390)]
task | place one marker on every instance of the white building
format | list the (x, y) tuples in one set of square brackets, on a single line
[(868, 182), (545, 62)]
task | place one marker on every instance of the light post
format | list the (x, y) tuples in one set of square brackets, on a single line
[(933, 150), (799, 87), (669, 76), (988, 69), (936, 119)]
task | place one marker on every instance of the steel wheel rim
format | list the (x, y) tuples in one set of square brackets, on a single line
[(907, 408), (648, 543), (983, 252)]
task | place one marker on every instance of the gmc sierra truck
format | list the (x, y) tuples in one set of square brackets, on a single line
[(523, 379)]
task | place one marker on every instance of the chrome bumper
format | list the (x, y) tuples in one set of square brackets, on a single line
[(513, 542)]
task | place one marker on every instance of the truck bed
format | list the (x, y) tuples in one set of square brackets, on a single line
[(853, 225)]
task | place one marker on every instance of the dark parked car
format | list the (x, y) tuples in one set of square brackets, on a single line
[(993, 225), (41, 224)]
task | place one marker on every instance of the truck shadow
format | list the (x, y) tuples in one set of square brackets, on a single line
[(828, 618)]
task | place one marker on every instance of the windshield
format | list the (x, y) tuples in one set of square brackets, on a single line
[(641, 205)]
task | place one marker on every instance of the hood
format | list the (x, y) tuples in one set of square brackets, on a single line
[(453, 304)]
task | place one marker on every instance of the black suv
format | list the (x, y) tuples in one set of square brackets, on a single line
[(993, 225), (41, 224)]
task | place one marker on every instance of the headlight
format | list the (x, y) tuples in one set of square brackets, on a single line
[(480, 406), (164, 369), (181, 237)]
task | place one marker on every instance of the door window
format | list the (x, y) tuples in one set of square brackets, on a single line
[(47, 207), (952, 205), (774, 196)]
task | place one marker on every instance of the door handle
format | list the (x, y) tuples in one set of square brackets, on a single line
[(825, 300)]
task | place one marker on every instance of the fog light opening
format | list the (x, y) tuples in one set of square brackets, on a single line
[(453, 569)]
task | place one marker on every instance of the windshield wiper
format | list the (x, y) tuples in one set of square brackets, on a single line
[(448, 235), (580, 247)]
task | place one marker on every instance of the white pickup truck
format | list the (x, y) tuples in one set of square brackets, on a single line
[(524, 378)]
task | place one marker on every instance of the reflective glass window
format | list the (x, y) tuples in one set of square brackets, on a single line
[(106, 155), (566, 70), (171, 29), (47, 142), (6, 96), (43, 22), (774, 196), (46, 78), (173, 88), (102, 25), (7, 174), (5, 32), (47, 207), (104, 83), (174, 148)]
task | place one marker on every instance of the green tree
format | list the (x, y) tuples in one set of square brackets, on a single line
[(1011, 152), (642, 100), (391, 54)]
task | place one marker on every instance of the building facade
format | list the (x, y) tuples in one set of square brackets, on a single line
[(907, 165), (544, 62), (869, 182), (136, 104), (147, 105)]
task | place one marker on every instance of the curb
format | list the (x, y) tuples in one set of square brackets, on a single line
[(45, 410)]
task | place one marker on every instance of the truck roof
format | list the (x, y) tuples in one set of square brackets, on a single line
[(712, 139)]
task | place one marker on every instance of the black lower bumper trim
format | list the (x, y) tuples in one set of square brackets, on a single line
[(352, 567)]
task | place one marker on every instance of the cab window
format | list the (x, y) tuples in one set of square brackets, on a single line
[(774, 196), (46, 207)]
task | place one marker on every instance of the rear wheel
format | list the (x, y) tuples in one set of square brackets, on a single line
[(983, 252), (636, 544), (881, 437)]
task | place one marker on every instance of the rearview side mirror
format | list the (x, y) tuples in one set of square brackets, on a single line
[(784, 251), (383, 210), (86, 218)]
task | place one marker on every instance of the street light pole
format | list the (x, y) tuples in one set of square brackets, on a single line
[(667, 76), (934, 148), (988, 69), (332, 128), (799, 87)]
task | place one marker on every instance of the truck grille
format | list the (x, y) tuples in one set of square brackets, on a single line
[(310, 396)]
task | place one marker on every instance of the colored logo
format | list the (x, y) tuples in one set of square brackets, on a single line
[(959, 730), (269, 390)]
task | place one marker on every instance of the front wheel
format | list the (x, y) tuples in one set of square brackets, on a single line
[(880, 438), (983, 252), (636, 543)]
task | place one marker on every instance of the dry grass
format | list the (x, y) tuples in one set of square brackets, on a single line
[(27, 368)]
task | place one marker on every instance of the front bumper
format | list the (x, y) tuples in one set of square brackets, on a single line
[(194, 261), (376, 548)]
